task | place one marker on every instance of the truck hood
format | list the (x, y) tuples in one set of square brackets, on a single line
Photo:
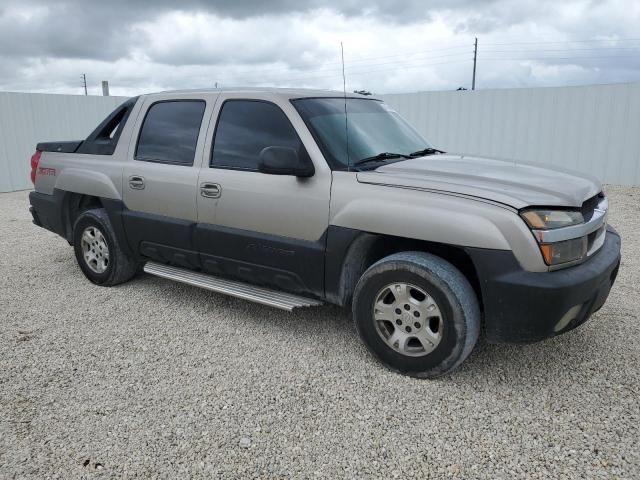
[(518, 185)]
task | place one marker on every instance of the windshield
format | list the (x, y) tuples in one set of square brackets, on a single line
[(373, 128)]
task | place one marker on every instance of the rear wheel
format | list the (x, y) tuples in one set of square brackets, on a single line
[(98, 252), (417, 314)]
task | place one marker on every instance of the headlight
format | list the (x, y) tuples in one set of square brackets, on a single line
[(558, 252), (550, 219)]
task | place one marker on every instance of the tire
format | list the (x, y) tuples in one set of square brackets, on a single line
[(417, 314), (100, 256)]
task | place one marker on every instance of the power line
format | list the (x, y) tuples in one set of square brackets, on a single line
[(289, 79), (422, 53), (356, 68), (561, 58), (614, 40), (419, 65), (410, 54), (413, 58), (562, 49), (421, 59), (276, 72), (365, 72)]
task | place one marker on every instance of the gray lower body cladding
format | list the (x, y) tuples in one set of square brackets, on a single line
[(290, 265), (46, 211), (523, 307)]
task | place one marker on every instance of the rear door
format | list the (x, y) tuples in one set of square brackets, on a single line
[(265, 229), (160, 177)]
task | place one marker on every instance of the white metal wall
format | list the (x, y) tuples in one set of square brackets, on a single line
[(29, 118), (592, 129)]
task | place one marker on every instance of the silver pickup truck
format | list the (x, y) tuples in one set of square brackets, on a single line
[(292, 198)]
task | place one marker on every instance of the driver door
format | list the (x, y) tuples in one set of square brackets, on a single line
[(261, 228)]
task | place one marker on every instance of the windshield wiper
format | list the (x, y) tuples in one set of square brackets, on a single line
[(426, 151), (380, 156)]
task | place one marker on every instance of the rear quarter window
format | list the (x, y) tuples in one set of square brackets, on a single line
[(104, 139)]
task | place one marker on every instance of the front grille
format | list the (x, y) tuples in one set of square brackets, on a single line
[(595, 240), (590, 205)]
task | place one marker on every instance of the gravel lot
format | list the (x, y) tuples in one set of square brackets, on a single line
[(156, 379)]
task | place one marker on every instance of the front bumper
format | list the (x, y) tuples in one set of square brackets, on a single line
[(521, 306)]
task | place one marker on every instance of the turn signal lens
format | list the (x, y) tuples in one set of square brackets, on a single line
[(563, 252), (547, 252)]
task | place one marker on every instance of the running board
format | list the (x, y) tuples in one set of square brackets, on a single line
[(265, 296)]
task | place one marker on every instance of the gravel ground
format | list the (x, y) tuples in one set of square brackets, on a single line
[(156, 379)]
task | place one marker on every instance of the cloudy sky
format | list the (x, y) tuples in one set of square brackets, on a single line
[(390, 45)]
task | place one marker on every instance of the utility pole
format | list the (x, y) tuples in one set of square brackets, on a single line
[(475, 58), (84, 82)]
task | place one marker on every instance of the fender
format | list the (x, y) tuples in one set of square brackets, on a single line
[(350, 252), (66, 201), (436, 217), (424, 220), (87, 182), (347, 255)]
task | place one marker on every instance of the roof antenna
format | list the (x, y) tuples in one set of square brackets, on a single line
[(346, 123)]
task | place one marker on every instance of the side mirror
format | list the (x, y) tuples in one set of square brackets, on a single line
[(284, 161)]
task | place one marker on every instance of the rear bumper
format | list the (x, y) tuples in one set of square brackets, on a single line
[(521, 306), (46, 211)]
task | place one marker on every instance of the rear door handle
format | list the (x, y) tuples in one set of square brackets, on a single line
[(210, 190), (136, 182)]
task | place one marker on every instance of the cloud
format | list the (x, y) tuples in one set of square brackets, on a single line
[(390, 45), (205, 39)]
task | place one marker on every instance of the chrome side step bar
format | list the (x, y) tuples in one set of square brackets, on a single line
[(265, 296)]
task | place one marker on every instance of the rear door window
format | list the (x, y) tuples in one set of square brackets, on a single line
[(169, 133)]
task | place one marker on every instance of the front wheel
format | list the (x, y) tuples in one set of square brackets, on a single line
[(417, 314)]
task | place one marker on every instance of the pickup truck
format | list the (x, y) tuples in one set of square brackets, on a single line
[(294, 198)]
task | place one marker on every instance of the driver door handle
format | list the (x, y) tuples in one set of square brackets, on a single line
[(210, 190)]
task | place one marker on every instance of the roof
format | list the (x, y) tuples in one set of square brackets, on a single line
[(282, 92)]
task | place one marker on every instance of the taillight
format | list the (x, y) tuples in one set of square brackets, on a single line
[(35, 158)]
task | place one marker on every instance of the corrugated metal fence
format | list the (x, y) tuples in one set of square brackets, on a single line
[(29, 118), (592, 129)]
